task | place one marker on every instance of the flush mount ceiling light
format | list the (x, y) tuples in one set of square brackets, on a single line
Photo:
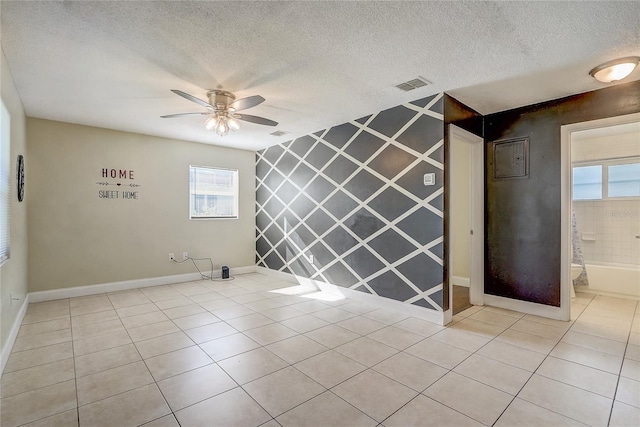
[(615, 70), (223, 108)]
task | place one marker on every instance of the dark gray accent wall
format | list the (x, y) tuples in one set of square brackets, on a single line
[(523, 216), (348, 206)]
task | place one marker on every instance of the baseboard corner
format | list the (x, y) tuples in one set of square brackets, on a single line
[(13, 334)]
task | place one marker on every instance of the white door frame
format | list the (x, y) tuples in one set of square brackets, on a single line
[(476, 271), (565, 194)]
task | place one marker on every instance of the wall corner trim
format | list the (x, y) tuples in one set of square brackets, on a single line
[(13, 333)]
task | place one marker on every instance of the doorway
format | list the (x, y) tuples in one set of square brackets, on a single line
[(466, 219), (600, 205)]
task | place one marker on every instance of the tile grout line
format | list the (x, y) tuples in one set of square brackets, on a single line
[(493, 339), (355, 315), (48, 363), (421, 393), (213, 362), (546, 357), (615, 393), (543, 360), (143, 361), (472, 379), (231, 377), (75, 374)]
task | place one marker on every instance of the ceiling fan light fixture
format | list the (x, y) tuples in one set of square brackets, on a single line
[(222, 108), (615, 70), (210, 123), (233, 124), (223, 128)]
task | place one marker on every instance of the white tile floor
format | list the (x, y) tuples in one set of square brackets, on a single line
[(241, 353)]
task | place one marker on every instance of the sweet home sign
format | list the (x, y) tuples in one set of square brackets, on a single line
[(122, 180)]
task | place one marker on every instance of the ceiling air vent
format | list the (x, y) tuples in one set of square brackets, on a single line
[(413, 84), (278, 133)]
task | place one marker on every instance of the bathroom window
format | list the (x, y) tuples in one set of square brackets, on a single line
[(607, 179), (587, 182), (624, 180), (213, 193)]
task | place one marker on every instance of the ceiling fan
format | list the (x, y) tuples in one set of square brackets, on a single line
[(223, 107)]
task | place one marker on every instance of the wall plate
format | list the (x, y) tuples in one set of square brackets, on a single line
[(429, 178)]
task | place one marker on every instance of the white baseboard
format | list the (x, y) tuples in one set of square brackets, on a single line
[(13, 333), (460, 281), (242, 270), (433, 316), (423, 313), (81, 291), (278, 274), (586, 290), (525, 307)]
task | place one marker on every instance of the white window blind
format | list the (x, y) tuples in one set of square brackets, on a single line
[(213, 193), (624, 180), (616, 178), (5, 181), (587, 182)]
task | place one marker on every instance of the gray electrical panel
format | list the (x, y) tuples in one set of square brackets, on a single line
[(511, 158)]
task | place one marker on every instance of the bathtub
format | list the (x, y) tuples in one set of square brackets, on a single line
[(614, 279)]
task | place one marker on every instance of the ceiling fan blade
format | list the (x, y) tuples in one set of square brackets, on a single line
[(192, 98), (255, 119), (248, 102), (170, 116)]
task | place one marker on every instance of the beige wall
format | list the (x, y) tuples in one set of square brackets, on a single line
[(13, 274), (460, 208), (605, 147), (77, 238)]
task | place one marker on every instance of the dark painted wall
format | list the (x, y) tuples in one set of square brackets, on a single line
[(463, 116), (523, 215), (353, 197)]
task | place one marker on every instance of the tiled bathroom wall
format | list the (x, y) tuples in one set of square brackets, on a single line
[(608, 230), (349, 205)]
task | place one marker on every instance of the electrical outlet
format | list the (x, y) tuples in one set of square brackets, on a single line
[(185, 256), (171, 257)]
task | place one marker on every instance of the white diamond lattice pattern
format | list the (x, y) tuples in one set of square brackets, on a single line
[(348, 205)]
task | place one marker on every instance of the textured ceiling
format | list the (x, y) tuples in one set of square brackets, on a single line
[(318, 64)]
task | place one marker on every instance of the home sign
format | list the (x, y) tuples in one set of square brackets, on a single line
[(121, 179)]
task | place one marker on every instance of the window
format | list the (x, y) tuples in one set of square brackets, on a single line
[(213, 193), (624, 180), (5, 181), (587, 182), (616, 178)]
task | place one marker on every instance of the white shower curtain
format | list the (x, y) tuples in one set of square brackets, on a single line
[(577, 257)]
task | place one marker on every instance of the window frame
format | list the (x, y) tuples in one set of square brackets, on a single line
[(236, 194), (5, 184), (605, 164)]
